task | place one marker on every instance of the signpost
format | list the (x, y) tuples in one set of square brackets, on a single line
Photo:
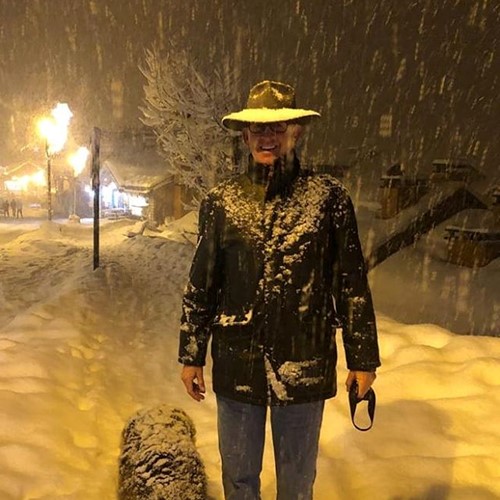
[(95, 146)]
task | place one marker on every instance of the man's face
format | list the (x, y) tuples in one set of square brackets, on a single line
[(268, 142)]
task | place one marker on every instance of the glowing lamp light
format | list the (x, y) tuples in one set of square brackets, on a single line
[(62, 114), (55, 130), (78, 160)]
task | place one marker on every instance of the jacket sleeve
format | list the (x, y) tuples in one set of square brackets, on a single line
[(200, 295), (352, 295)]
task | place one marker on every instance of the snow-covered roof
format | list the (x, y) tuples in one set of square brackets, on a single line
[(134, 166), (474, 219), (453, 162), (22, 168), (140, 175)]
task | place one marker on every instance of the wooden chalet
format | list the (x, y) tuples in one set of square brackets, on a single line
[(135, 180)]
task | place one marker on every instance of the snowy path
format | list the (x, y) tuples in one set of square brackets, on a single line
[(76, 344)]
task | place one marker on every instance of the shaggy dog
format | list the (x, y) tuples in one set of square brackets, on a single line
[(158, 459)]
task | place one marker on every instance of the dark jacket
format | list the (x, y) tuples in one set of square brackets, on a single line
[(278, 267)]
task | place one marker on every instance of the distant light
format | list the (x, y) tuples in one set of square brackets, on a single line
[(17, 184), (39, 178), (88, 189)]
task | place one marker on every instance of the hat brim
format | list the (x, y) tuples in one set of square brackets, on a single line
[(239, 120)]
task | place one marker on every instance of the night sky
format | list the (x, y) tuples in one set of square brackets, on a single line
[(433, 64)]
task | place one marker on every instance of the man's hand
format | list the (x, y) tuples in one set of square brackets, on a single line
[(192, 378), (364, 380)]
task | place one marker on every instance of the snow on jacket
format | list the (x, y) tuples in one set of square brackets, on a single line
[(277, 269)]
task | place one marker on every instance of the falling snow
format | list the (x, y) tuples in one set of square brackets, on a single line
[(82, 351)]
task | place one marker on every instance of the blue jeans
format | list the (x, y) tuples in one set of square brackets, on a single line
[(295, 430)]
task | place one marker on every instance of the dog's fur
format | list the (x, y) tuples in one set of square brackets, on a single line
[(158, 459)]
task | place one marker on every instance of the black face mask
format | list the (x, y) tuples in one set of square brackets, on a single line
[(354, 400)]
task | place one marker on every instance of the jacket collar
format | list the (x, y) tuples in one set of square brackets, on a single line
[(277, 178)]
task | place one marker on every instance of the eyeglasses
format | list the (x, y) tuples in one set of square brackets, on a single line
[(274, 127)]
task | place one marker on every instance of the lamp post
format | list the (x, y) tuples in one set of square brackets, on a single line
[(77, 160), (55, 132)]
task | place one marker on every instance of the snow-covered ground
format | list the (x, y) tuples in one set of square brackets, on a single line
[(82, 350)]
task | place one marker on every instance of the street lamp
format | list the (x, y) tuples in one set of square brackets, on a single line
[(55, 132), (77, 160)]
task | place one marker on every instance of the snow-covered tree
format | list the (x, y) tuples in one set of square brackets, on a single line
[(184, 107)]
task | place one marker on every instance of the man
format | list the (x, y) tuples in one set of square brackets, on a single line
[(278, 267)]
